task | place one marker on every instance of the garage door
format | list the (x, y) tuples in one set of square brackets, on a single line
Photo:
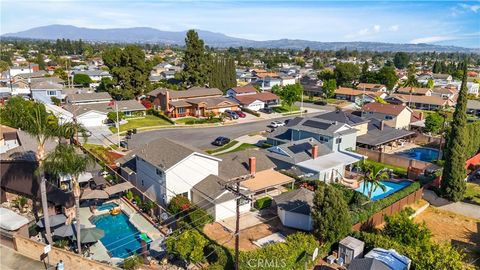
[(255, 106), (92, 119)]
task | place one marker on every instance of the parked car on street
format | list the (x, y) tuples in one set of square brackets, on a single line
[(276, 124), (266, 110), (320, 102), (241, 114), (231, 114), (221, 141)]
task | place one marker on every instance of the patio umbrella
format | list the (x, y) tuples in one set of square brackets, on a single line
[(66, 230), (90, 235), (89, 194), (55, 220)]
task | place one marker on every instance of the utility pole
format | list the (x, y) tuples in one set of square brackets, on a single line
[(234, 186)]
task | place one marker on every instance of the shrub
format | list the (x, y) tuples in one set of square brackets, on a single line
[(55, 101), (263, 203), (198, 217), (188, 245), (178, 204), (129, 195), (132, 262), (138, 200), (112, 116), (218, 257), (257, 114), (60, 243), (160, 115)]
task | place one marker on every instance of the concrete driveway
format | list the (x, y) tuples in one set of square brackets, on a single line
[(101, 135)]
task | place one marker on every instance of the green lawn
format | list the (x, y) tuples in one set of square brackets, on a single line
[(242, 147), (147, 121), (221, 148), (472, 194), (285, 109), (396, 170), (194, 120)]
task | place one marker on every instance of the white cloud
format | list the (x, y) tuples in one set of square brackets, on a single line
[(376, 28), (394, 28), (473, 8), (431, 39)]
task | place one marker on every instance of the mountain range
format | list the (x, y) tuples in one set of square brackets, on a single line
[(152, 35)]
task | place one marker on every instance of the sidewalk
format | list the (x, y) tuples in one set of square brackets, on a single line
[(465, 209), (12, 260)]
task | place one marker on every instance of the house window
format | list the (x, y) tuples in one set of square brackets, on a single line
[(181, 110), (388, 117), (159, 172), (51, 93), (339, 140)]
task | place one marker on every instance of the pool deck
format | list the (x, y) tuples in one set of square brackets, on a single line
[(98, 250)]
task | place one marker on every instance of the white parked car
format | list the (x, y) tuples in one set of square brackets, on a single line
[(276, 124)]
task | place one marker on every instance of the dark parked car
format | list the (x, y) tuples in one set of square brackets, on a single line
[(221, 141), (266, 110), (241, 114), (320, 102), (232, 114)]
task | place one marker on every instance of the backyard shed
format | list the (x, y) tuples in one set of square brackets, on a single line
[(350, 248), (293, 208)]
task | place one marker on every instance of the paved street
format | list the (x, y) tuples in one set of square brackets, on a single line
[(202, 137), (12, 260)]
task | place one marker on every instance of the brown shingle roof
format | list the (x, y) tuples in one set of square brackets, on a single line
[(352, 92), (416, 90), (434, 100), (244, 89), (248, 99), (383, 108), (193, 92)]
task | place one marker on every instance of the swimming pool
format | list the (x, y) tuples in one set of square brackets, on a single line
[(390, 188), (107, 206), (121, 237), (421, 153)]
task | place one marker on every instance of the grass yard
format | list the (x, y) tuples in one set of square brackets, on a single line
[(194, 120), (103, 153), (396, 170), (147, 121), (472, 194), (242, 147), (286, 109), (221, 148), (463, 232)]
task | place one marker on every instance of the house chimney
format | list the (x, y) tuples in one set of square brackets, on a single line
[(420, 115), (382, 124), (252, 165), (167, 100), (314, 151)]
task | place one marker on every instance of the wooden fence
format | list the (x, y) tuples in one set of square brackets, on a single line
[(379, 217)]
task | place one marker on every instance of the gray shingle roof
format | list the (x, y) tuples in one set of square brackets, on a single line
[(375, 136), (86, 97), (342, 117), (473, 104), (236, 164), (314, 125), (123, 106), (367, 264), (297, 151), (297, 201)]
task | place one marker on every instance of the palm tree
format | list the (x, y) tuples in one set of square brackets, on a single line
[(411, 82), (66, 160), (373, 176), (33, 118)]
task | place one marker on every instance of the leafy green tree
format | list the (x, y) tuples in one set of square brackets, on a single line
[(401, 60), (195, 71), (291, 94), (222, 73), (65, 159), (411, 82), (56, 101), (317, 64), (112, 116), (82, 79), (133, 262), (59, 72), (372, 177), (326, 74), (387, 76), (433, 123), (403, 230), (275, 89), (40, 61), (430, 84), (178, 204), (188, 245), (330, 214), (346, 74), (329, 88), (453, 184), (106, 85), (3, 66), (129, 70)]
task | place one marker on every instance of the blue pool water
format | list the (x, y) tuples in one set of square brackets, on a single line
[(107, 206), (121, 237), (421, 153), (390, 188)]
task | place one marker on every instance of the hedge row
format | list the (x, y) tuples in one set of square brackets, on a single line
[(263, 203), (250, 111), (160, 115)]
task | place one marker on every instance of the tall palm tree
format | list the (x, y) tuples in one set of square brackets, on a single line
[(372, 176), (33, 118), (411, 82), (67, 160)]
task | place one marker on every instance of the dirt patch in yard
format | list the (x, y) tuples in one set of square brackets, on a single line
[(223, 237), (461, 231)]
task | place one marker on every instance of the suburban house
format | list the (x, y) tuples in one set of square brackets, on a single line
[(287, 80), (196, 101), (473, 107), (396, 116), (95, 75), (445, 92), (267, 82), (88, 98), (357, 96), (8, 139), (43, 91), (380, 259), (248, 97), (372, 87), (414, 91), (312, 85), (294, 208), (420, 102), (164, 168)]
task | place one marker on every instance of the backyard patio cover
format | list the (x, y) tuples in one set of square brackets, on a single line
[(118, 188), (10, 220), (266, 179), (329, 161), (89, 194)]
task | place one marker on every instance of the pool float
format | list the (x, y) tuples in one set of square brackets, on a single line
[(144, 237), (115, 211)]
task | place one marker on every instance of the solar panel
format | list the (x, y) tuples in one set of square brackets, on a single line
[(315, 124), (298, 148)]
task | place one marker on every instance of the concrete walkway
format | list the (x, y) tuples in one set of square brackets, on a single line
[(228, 149), (465, 209), (12, 260)]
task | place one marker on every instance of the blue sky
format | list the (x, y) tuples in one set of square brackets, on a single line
[(438, 22)]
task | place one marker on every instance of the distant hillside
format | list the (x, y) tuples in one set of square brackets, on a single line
[(151, 35)]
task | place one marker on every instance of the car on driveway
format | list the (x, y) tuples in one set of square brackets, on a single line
[(241, 114), (320, 102), (276, 124), (221, 141), (266, 110), (231, 114)]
